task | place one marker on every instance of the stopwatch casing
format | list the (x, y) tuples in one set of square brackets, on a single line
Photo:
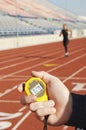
[(37, 87)]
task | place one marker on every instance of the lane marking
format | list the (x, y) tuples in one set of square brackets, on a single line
[(33, 67), (65, 127), (1, 62), (7, 116), (8, 91), (22, 55), (22, 109), (50, 65), (4, 125), (56, 52), (17, 76), (67, 63), (8, 75), (69, 77), (79, 86), (36, 54), (12, 65), (74, 78), (15, 79), (11, 55), (9, 101), (22, 120), (22, 79)]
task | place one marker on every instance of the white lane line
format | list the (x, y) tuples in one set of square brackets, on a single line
[(56, 52), (22, 55), (10, 90), (25, 78), (8, 75), (12, 65), (9, 101), (27, 61), (73, 78), (18, 79), (16, 54), (22, 120), (17, 76), (57, 67), (69, 77), (5, 61), (22, 109)]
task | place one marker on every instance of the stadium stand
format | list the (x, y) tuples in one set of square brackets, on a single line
[(10, 26), (18, 18)]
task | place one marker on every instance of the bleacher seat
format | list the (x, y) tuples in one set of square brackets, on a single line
[(21, 18)]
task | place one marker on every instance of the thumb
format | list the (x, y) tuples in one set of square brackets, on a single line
[(43, 75)]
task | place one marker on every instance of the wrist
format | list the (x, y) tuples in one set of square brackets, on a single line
[(65, 111)]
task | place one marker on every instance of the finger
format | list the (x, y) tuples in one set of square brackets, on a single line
[(53, 119), (28, 99), (37, 105), (41, 118), (45, 111), (20, 87)]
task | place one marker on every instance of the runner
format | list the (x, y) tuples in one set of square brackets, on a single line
[(65, 32)]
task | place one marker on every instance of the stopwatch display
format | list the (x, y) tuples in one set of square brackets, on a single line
[(36, 90)]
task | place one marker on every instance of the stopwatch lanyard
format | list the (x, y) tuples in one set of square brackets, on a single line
[(45, 123)]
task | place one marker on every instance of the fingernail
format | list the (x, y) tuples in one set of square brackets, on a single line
[(31, 107), (53, 110), (51, 103), (30, 99)]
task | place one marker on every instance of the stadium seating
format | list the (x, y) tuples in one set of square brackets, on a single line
[(23, 18)]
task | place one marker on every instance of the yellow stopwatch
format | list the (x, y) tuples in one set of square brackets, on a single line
[(37, 87)]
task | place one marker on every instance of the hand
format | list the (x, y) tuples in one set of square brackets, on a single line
[(70, 33), (59, 105), (60, 34)]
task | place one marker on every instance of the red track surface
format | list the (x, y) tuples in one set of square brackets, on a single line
[(15, 68)]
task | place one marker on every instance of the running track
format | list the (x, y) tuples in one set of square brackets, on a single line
[(16, 66)]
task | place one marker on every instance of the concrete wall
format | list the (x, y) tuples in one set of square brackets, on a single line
[(9, 43)]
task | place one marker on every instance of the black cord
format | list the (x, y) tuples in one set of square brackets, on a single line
[(45, 123)]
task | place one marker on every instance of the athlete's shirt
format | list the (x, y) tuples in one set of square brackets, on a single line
[(65, 35)]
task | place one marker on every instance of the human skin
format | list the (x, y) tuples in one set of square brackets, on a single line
[(59, 105)]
